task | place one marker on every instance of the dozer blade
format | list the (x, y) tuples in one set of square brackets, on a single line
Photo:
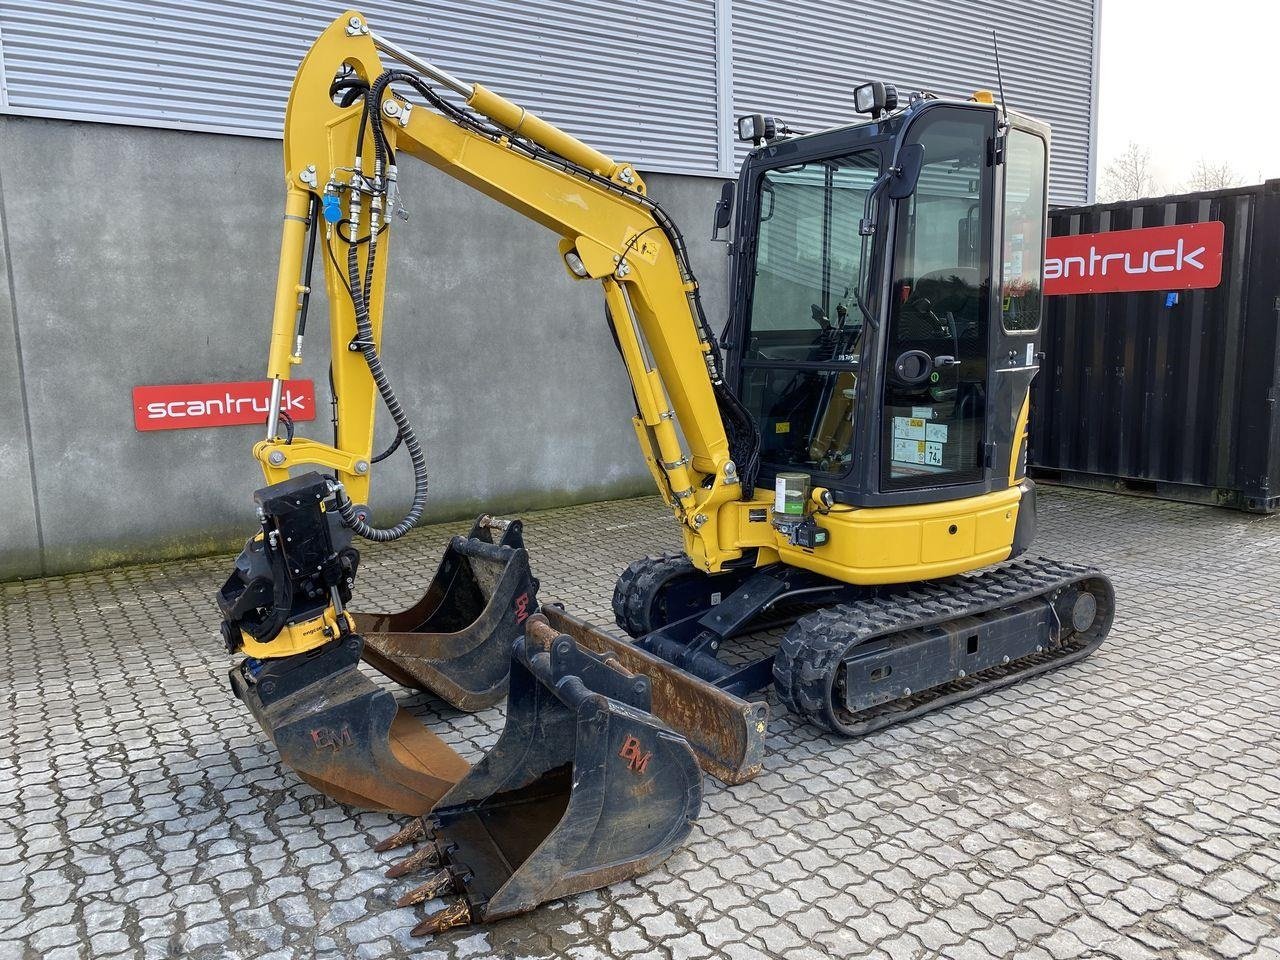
[(727, 732), (455, 642), (585, 787), (343, 734)]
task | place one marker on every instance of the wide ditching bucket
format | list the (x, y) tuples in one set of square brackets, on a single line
[(344, 734), (726, 732), (455, 642), (585, 787)]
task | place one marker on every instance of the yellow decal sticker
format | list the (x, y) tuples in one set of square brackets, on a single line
[(782, 427)]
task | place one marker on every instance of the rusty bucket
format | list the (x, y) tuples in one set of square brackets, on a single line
[(455, 642), (585, 787), (344, 734)]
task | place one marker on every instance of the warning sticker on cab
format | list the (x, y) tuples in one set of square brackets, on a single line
[(917, 451), (908, 451), (908, 428)]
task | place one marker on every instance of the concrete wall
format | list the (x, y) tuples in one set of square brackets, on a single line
[(137, 256)]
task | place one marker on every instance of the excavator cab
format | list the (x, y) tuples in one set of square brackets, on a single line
[(882, 339), (887, 295)]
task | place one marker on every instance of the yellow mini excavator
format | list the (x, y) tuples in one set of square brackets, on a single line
[(845, 461)]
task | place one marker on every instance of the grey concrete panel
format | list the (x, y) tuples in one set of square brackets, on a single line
[(144, 256), (19, 531), (138, 257)]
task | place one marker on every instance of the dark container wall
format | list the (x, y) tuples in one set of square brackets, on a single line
[(1172, 401)]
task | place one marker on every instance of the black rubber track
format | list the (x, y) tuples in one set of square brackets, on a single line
[(637, 589), (807, 667)]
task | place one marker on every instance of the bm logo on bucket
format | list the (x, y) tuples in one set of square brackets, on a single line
[(182, 406), (1187, 256)]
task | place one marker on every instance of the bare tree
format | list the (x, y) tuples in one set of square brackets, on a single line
[(1128, 176), (1212, 176)]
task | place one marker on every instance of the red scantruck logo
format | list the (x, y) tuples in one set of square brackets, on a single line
[(183, 406), (1183, 257)]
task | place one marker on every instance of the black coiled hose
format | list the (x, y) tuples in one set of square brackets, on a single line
[(404, 429), (364, 333)]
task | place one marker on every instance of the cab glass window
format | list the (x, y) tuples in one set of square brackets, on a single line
[(805, 332), (1024, 213), (935, 379), (807, 258)]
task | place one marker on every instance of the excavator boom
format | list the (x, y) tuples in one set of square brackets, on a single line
[(610, 231)]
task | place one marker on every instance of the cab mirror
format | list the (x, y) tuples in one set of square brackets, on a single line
[(724, 210), (905, 176)]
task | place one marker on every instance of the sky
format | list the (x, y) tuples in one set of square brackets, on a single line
[(1191, 79)]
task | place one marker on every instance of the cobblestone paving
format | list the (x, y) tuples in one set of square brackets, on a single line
[(1128, 806)]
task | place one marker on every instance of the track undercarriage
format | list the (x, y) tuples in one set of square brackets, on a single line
[(857, 659)]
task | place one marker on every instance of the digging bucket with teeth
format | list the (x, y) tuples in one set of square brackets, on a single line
[(585, 787), (455, 642)]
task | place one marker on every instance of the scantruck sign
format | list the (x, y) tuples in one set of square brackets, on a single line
[(183, 406), (1183, 257)]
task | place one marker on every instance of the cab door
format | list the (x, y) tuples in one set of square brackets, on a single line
[(1016, 356), (802, 333), (934, 406)]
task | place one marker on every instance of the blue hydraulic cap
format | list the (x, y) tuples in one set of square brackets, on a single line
[(332, 207)]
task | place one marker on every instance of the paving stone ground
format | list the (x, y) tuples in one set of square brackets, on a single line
[(1127, 806)]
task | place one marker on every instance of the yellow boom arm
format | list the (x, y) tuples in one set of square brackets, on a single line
[(608, 232)]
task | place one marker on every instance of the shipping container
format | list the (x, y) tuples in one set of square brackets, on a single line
[(1159, 372)]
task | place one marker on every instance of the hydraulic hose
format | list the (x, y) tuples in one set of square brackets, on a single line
[(395, 445), (404, 429)]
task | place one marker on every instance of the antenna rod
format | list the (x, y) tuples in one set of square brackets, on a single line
[(1004, 107)]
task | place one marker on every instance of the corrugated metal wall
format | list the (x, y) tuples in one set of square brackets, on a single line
[(643, 83), (802, 60), (646, 92)]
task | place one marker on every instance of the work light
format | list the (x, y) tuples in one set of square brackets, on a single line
[(875, 98), (575, 264), (756, 128)]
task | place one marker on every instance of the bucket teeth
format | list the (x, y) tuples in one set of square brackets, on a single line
[(415, 831), (430, 890), (425, 856), (454, 915)]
